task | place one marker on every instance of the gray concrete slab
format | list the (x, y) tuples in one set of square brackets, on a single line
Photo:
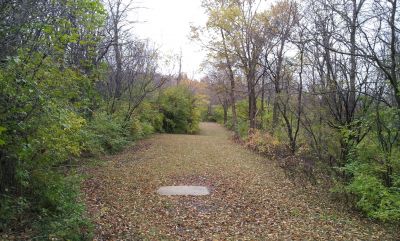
[(183, 191)]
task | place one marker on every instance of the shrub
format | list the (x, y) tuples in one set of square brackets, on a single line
[(44, 96), (243, 128), (104, 134), (59, 215), (242, 115), (42, 188), (178, 106), (139, 130), (375, 180), (265, 143), (11, 209), (149, 115), (218, 116)]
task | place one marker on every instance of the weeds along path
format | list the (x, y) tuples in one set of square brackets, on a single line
[(251, 199)]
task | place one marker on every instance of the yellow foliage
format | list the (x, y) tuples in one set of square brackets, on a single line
[(264, 143)]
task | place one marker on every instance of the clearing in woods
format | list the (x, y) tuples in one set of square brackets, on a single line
[(251, 198)]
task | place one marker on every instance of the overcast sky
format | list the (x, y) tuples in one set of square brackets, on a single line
[(167, 24)]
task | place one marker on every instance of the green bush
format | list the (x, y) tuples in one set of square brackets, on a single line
[(44, 100), (373, 168), (375, 199), (11, 209), (370, 168), (218, 114), (59, 215), (243, 128), (140, 129), (105, 134), (39, 147), (178, 106), (242, 117), (150, 116)]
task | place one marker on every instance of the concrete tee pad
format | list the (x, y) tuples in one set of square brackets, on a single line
[(183, 191)]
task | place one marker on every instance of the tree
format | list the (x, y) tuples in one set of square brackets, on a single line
[(218, 82), (216, 44), (243, 33), (283, 18), (46, 93), (132, 63)]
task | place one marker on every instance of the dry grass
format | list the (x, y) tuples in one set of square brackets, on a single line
[(251, 198)]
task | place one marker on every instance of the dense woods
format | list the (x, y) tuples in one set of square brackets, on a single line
[(75, 82), (314, 84)]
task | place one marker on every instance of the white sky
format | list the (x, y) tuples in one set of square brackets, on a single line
[(167, 24)]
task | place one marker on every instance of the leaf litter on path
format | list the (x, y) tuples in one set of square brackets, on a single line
[(251, 198)]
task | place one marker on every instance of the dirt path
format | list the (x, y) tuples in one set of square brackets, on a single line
[(251, 199)]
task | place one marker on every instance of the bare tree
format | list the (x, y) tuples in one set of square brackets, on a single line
[(219, 83), (132, 63), (284, 17), (118, 34), (219, 48), (246, 36)]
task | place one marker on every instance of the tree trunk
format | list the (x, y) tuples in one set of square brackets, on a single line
[(225, 106), (233, 102), (7, 171), (251, 85), (262, 101), (232, 84), (252, 107), (393, 53), (118, 72), (275, 114), (353, 65)]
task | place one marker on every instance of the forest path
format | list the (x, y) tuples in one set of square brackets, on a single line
[(251, 198)]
